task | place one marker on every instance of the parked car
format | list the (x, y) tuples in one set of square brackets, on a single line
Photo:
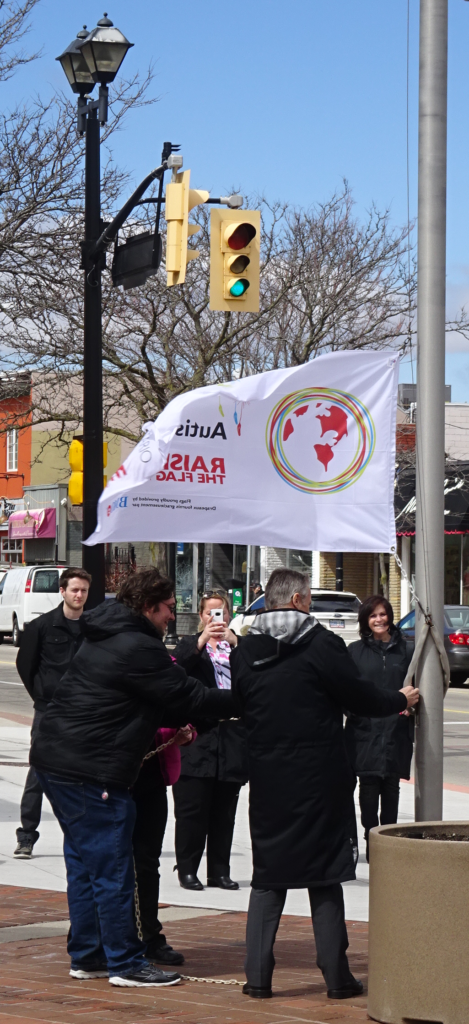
[(337, 610), (26, 593), (456, 637)]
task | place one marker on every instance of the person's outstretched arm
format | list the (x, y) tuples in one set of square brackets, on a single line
[(158, 680), (347, 687)]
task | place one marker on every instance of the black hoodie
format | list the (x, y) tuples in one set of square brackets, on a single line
[(120, 688)]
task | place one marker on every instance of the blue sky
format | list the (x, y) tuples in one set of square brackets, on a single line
[(284, 99)]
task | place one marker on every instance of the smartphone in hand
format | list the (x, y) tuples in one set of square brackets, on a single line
[(217, 615)]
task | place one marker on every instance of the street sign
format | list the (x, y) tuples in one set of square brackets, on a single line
[(136, 260)]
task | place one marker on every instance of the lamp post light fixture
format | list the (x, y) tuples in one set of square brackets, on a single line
[(92, 58)]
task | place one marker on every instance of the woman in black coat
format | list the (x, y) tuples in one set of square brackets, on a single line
[(380, 749), (214, 768)]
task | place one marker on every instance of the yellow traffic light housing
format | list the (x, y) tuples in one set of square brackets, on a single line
[(235, 260), (180, 200), (75, 458), (75, 484)]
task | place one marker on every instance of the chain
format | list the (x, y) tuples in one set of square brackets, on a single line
[(138, 919), (408, 581), (212, 981), (158, 750), (138, 922)]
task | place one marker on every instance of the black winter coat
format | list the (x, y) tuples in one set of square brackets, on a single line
[(381, 746), (121, 687), (220, 752), (48, 645), (291, 697)]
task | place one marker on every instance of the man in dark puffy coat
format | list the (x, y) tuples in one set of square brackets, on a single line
[(48, 645), (291, 679), (121, 687)]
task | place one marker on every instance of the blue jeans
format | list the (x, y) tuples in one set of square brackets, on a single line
[(100, 873)]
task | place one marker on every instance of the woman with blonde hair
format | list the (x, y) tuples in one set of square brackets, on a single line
[(214, 768)]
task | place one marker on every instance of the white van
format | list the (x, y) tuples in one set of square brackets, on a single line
[(26, 593)]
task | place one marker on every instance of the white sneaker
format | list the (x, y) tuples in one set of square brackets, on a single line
[(81, 975)]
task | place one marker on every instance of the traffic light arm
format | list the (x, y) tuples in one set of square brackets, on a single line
[(111, 230)]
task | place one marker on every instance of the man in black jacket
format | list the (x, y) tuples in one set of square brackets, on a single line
[(48, 645), (121, 687), (291, 679)]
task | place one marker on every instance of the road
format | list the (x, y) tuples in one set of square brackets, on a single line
[(456, 737)]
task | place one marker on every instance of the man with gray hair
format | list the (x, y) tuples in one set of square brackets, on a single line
[(291, 679)]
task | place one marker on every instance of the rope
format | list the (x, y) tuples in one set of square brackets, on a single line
[(429, 629)]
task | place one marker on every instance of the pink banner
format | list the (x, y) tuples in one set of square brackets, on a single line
[(32, 525)]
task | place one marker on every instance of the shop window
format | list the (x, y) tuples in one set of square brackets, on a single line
[(11, 551), (452, 568)]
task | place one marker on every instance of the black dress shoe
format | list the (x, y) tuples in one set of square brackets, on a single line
[(223, 882), (189, 881), (164, 954), (257, 993), (353, 988)]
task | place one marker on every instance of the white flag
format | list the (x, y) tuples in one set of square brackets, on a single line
[(297, 458)]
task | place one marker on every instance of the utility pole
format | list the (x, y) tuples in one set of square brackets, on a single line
[(93, 557), (429, 530)]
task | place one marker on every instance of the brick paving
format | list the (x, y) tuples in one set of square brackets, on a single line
[(35, 987), (30, 906)]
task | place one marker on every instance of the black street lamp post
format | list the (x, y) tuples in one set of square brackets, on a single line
[(91, 58)]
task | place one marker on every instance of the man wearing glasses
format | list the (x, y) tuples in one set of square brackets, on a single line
[(120, 688)]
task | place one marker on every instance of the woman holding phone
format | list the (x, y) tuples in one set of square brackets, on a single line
[(214, 768)]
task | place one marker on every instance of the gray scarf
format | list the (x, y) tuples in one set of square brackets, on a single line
[(284, 624)]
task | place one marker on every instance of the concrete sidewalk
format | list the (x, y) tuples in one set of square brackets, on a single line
[(46, 870), (35, 987)]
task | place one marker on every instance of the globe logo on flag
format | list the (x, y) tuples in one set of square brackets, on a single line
[(320, 440)]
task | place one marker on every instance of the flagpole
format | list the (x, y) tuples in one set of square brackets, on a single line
[(429, 529)]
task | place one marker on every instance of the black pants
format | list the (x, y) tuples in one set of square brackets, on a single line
[(372, 787), (330, 933), (31, 801), (150, 824), (205, 811)]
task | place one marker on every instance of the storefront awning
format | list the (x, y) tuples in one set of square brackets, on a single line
[(32, 525)]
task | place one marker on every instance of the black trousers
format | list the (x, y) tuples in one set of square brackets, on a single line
[(31, 801), (150, 824), (330, 933), (205, 811), (372, 788)]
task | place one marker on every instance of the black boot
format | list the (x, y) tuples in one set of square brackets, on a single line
[(189, 881)]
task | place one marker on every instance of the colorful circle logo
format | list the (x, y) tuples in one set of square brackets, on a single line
[(340, 413)]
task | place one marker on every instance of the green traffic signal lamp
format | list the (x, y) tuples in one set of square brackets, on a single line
[(238, 287)]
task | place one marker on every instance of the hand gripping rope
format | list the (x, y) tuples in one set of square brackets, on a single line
[(429, 629), (138, 919)]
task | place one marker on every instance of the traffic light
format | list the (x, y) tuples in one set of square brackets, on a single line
[(75, 484), (75, 458), (180, 199), (235, 260)]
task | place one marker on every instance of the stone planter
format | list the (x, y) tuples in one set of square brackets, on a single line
[(419, 923)]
